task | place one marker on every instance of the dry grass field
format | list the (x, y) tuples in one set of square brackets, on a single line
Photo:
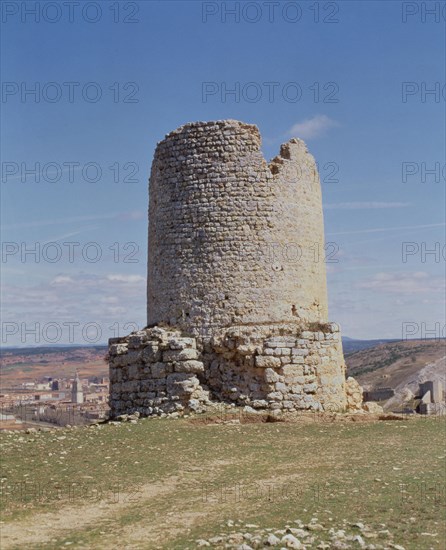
[(168, 483)]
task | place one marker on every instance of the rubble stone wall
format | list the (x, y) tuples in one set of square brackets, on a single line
[(271, 367)]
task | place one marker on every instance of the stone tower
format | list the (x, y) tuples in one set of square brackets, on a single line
[(77, 394), (236, 292), (233, 240)]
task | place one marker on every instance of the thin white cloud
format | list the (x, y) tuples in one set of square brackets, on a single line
[(126, 278), (312, 127), (62, 280), (116, 303), (364, 205), (418, 282)]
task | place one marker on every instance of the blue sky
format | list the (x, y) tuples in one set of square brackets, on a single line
[(352, 85)]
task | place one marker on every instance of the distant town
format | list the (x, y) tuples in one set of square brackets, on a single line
[(55, 401)]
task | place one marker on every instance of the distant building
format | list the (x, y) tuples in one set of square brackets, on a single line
[(77, 395), (43, 396)]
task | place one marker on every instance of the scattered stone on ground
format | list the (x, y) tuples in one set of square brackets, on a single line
[(306, 537)]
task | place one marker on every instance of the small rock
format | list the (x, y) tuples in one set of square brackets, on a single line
[(315, 527), (297, 532), (272, 540), (291, 542), (359, 540), (372, 407)]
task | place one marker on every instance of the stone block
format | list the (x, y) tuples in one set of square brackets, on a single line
[(280, 386), (180, 354), (151, 353), (271, 376), (177, 377), (263, 361), (260, 404), (182, 343), (248, 349), (189, 366), (148, 385), (299, 351), (292, 370), (118, 349), (159, 370), (280, 342), (136, 340), (275, 396), (132, 357), (372, 407), (296, 397), (133, 372), (129, 386)]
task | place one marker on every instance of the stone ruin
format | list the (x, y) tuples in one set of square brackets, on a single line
[(432, 397), (236, 292)]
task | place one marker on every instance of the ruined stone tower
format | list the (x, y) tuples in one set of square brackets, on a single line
[(236, 291), (231, 239)]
